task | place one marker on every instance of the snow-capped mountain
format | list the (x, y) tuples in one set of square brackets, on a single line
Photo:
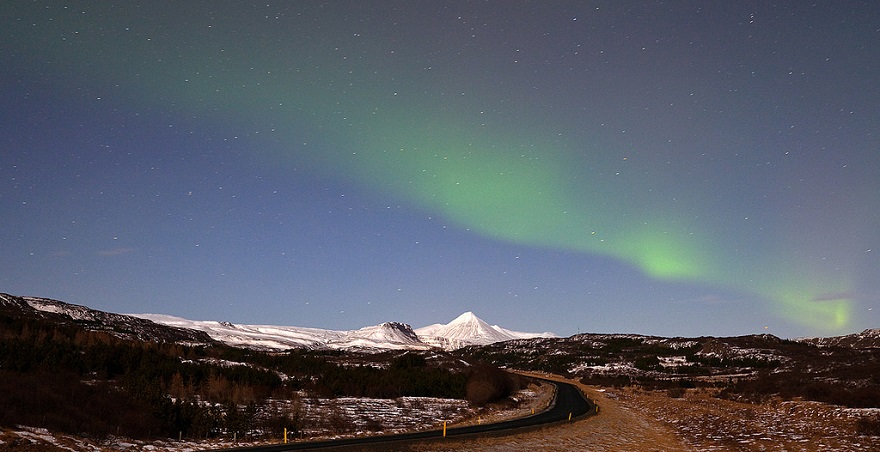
[(390, 335), (468, 329), (255, 336), (465, 330), (398, 335)]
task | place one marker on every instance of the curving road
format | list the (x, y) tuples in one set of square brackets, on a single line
[(570, 403)]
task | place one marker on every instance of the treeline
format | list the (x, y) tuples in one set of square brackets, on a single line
[(80, 381), (62, 402), (31, 346), (408, 375)]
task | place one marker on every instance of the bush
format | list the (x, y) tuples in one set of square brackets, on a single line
[(868, 426), (487, 384), (676, 393), (647, 363)]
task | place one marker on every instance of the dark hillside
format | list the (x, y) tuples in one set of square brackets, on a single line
[(119, 325), (749, 368)]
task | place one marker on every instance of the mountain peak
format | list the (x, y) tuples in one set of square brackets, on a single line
[(467, 317), (468, 329)]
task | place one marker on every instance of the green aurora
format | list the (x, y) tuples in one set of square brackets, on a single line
[(506, 178)]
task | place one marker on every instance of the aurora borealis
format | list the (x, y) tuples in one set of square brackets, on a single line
[(674, 169)]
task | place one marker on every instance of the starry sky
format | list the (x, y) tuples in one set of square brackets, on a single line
[(675, 168)]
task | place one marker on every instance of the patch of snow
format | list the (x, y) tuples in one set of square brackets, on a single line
[(44, 305), (674, 361)]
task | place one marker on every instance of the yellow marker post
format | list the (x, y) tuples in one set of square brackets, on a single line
[(569, 416), (444, 429), (285, 435)]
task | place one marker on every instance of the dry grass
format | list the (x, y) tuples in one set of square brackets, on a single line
[(705, 422), (635, 420)]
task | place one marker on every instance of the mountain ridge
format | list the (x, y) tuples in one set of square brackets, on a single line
[(467, 329), (119, 324)]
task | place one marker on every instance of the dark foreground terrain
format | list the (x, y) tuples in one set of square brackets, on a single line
[(106, 381), (98, 375)]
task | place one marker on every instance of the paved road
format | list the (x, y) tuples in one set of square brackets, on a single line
[(570, 403)]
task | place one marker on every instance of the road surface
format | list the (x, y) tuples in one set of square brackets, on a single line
[(569, 404)]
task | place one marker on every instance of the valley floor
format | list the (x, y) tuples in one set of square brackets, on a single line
[(629, 419)]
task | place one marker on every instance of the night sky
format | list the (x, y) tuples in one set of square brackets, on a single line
[(676, 168)]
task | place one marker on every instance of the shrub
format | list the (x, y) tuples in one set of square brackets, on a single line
[(676, 393), (487, 384), (869, 426)]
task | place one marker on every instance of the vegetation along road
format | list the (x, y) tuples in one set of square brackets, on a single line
[(569, 404)]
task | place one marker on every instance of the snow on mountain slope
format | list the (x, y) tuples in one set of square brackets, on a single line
[(866, 339), (92, 319), (255, 336), (468, 329), (465, 330), (391, 335)]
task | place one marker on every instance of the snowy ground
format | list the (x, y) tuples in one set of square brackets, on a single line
[(332, 417)]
